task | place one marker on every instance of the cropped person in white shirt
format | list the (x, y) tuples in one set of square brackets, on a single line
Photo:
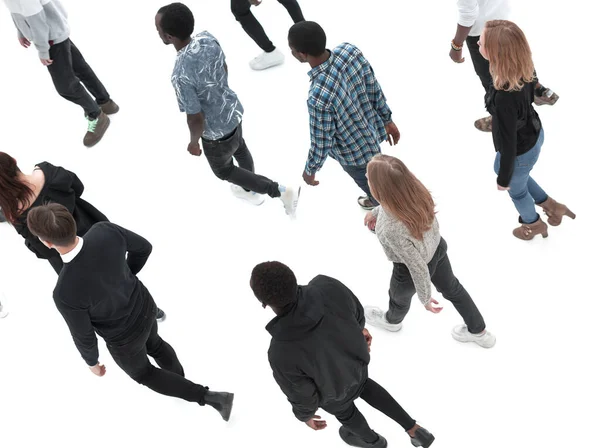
[(472, 17), (408, 231)]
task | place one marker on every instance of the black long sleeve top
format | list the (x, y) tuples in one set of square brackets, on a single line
[(515, 126), (98, 291)]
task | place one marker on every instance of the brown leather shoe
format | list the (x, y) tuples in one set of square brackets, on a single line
[(528, 231), (110, 108), (555, 211), (96, 130), (545, 96), (484, 124)]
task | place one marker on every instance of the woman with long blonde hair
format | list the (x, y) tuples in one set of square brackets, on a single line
[(408, 230), (517, 130)]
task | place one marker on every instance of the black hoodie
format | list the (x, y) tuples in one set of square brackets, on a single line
[(318, 352), (65, 188)]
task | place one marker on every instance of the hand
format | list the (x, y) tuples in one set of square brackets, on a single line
[(24, 42), (255, 2), (310, 179), (316, 423), (456, 56), (46, 62), (194, 149), (433, 309), (503, 188), (393, 133), (368, 338), (370, 221), (98, 369)]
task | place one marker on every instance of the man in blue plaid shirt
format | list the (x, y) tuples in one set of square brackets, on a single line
[(349, 116)]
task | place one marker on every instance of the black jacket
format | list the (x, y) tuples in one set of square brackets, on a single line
[(63, 187), (318, 352), (515, 126)]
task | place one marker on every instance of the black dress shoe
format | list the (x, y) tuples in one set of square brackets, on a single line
[(221, 401), (160, 315), (422, 438), (353, 440)]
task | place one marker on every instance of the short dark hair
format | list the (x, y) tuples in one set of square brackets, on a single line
[(274, 284), (52, 223), (308, 37), (177, 20)]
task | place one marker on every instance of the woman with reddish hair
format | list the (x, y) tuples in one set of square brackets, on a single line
[(517, 131), (408, 230), (21, 192)]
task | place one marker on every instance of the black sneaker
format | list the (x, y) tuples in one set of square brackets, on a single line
[(353, 440), (221, 401), (422, 438), (160, 315), (366, 203)]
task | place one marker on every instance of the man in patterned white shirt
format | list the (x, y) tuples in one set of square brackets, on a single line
[(214, 113)]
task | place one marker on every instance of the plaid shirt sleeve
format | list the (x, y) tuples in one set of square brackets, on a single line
[(322, 130), (374, 92)]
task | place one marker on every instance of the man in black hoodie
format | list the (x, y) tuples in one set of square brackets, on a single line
[(320, 355)]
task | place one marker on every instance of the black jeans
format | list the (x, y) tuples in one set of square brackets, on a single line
[(482, 66), (131, 355), (359, 175), (402, 289), (69, 71), (243, 14), (220, 155), (379, 398)]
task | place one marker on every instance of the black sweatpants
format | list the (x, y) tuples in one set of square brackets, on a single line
[(402, 289), (132, 354), (243, 14), (379, 398), (69, 71), (220, 155)]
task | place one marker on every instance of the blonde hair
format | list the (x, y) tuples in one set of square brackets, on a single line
[(511, 64), (401, 194)]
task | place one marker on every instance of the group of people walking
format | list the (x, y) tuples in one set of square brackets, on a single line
[(317, 325)]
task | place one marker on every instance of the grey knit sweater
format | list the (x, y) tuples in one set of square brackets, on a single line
[(401, 247)]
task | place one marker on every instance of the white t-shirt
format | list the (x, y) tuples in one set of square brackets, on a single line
[(474, 13)]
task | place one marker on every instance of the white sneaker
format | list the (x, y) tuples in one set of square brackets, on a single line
[(250, 196), (376, 317), (485, 339), (290, 200), (267, 60)]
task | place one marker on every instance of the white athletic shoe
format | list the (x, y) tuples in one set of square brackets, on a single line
[(485, 339), (290, 200), (267, 60), (376, 317), (250, 196)]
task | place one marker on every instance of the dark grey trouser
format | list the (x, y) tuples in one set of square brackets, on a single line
[(402, 289)]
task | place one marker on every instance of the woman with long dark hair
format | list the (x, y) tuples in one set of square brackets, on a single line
[(21, 192), (517, 130), (408, 230)]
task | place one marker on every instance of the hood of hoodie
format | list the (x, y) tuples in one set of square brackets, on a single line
[(299, 320), (56, 178)]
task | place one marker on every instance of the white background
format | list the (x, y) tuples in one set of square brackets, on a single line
[(537, 388)]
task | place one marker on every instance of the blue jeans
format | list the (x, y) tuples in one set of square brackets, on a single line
[(359, 174), (524, 191)]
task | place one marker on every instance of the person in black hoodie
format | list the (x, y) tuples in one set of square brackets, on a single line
[(20, 192), (319, 354), (98, 292), (517, 131)]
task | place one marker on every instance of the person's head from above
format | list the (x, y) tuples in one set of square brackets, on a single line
[(274, 285), (14, 192), (175, 24), (505, 46), (401, 194), (54, 225), (307, 41)]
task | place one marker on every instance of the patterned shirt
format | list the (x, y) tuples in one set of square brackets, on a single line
[(200, 81), (347, 110)]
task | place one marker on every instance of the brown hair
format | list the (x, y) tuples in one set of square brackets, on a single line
[(401, 194), (511, 64), (14, 194), (52, 223)]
